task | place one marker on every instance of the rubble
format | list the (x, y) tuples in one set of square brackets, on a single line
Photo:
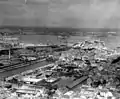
[(96, 61), (88, 70)]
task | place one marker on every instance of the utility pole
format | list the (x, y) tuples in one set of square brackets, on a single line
[(9, 53)]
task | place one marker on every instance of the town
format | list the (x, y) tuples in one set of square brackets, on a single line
[(84, 70), (59, 49)]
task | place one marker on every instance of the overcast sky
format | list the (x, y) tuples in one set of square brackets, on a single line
[(61, 13)]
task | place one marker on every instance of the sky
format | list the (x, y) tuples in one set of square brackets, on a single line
[(61, 13)]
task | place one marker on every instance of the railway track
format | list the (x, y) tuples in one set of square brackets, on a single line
[(15, 66)]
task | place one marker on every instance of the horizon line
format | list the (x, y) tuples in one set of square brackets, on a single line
[(3, 26)]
